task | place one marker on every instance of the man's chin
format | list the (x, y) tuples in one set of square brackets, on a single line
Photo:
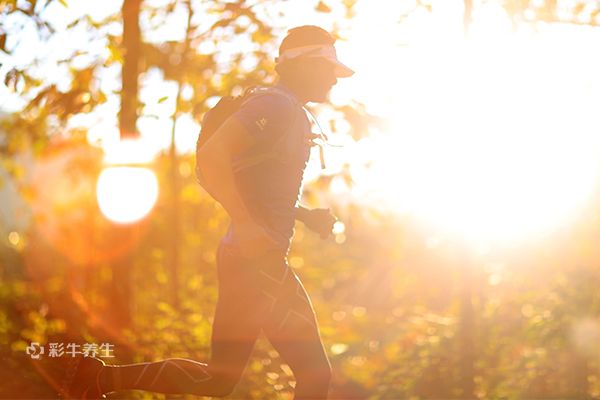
[(320, 98)]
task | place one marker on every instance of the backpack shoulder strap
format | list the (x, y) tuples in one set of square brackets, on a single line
[(274, 151), (266, 90)]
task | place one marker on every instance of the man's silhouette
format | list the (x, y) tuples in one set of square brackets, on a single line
[(253, 165)]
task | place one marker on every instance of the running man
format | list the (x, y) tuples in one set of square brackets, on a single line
[(253, 165)]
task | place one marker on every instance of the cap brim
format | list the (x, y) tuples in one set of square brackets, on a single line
[(342, 71)]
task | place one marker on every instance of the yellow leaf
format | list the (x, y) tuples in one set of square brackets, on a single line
[(322, 7)]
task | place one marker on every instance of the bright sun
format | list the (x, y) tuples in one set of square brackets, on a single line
[(490, 138)]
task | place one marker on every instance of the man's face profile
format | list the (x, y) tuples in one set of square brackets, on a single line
[(316, 76)]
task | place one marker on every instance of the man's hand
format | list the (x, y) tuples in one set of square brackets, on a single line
[(253, 240), (319, 220)]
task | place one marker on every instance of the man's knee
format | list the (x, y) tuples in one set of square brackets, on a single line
[(312, 384)]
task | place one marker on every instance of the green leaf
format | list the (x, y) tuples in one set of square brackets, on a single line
[(162, 99)]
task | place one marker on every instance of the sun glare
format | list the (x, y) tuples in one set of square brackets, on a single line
[(490, 137), (126, 194)]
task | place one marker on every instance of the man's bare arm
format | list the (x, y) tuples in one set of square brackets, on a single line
[(215, 163)]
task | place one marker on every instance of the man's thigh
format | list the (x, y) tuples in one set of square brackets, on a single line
[(291, 323), (238, 315), (263, 293)]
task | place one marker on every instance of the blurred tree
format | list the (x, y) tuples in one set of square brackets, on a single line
[(121, 285)]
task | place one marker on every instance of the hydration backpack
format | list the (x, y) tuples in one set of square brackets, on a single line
[(226, 107), (216, 116)]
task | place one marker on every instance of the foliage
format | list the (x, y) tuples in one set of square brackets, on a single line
[(401, 316)]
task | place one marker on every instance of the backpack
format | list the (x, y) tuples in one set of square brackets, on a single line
[(216, 116), (226, 107)]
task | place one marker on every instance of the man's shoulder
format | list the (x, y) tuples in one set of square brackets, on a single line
[(272, 98), (268, 112)]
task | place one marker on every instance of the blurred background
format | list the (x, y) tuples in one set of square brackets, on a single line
[(465, 174)]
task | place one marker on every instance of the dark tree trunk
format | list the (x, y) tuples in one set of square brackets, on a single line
[(131, 62), (121, 269)]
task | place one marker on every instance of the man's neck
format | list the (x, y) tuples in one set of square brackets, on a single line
[(296, 91)]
